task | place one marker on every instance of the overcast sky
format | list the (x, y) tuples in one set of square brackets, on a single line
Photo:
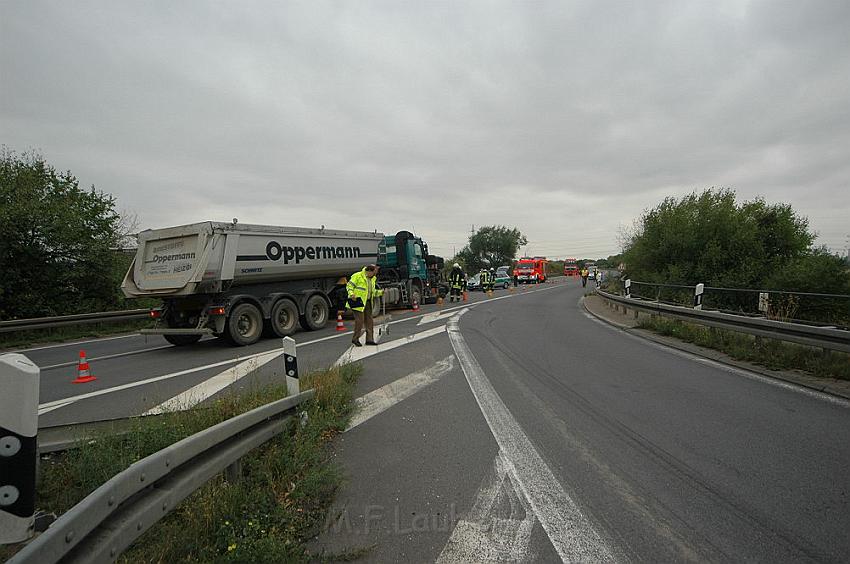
[(563, 119)]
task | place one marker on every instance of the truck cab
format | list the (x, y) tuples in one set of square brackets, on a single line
[(406, 264)]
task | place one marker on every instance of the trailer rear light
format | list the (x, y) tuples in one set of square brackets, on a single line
[(216, 311), (156, 314)]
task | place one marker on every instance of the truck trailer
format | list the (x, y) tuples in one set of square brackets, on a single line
[(238, 281)]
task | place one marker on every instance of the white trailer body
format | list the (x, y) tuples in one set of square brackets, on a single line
[(206, 257), (217, 277)]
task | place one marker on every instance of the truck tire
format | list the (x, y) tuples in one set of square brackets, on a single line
[(315, 313), (376, 307), (182, 340), (245, 325), (284, 318)]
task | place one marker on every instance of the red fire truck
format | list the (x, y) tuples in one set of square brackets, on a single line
[(570, 267), (531, 270)]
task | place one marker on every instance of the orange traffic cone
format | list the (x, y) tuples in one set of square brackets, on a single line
[(340, 326), (415, 305), (83, 374), (465, 296)]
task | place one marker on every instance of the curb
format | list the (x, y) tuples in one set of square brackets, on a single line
[(723, 358)]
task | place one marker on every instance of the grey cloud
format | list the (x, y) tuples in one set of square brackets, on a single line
[(563, 119)]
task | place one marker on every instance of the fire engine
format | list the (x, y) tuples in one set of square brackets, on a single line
[(531, 270)]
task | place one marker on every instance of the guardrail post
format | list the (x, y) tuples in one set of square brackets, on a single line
[(698, 296), (19, 382), (628, 285), (290, 365)]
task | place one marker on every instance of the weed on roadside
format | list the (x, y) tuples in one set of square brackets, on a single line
[(773, 354), (287, 485)]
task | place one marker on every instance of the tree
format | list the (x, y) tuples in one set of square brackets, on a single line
[(57, 241), (709, 238), (491, 247)]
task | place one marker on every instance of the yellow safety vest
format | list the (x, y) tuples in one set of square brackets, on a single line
[(361, 287)]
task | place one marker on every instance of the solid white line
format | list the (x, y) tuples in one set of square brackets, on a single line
[(74, 343), (378, 401), (790, 386), (354, 354), (571, 533), (208, 388), (106, 357)]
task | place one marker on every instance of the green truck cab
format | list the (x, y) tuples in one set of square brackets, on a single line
[(405, 264)]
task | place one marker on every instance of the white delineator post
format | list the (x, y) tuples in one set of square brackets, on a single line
[(19, 382), (628, 284), (290, 366), (698, 296)]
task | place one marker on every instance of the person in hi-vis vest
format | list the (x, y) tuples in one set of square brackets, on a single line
[(362, 289)]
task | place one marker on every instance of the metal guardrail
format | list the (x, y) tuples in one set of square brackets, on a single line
[(830, 338), (77, 319), (105, 523), (811, 308)]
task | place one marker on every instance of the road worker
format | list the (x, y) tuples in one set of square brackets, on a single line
[(584, 274), (457, 280), (362, 289)]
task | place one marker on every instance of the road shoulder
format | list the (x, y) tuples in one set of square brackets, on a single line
[(595, 306)]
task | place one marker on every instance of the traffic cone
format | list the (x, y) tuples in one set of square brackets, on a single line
[(340, 326), (83, 374), (465, 296), (415, 305)]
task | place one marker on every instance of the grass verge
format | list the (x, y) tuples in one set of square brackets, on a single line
[(287, 488), (775, 355)]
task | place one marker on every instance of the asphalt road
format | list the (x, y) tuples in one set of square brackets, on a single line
[(520, 428), (156, 371), (555, 436)]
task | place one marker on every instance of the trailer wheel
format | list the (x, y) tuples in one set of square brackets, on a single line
[(284, 317), (315, 313), (182, 340), (244, 325)]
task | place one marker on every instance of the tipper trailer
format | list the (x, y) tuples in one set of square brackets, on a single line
[(238, 281)]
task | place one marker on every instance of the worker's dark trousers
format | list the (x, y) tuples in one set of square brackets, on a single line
[(455, 294), (362, 318)]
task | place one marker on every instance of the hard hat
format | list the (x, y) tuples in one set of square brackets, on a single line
[(456, 265)]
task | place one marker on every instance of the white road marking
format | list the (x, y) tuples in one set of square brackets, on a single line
[(56, 404), (378, 401), (208, 388), (45, 407), (835, 400), (436, 316), (75, 343), (106, 357), (353, 354), (571, 533), (487, 534)]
